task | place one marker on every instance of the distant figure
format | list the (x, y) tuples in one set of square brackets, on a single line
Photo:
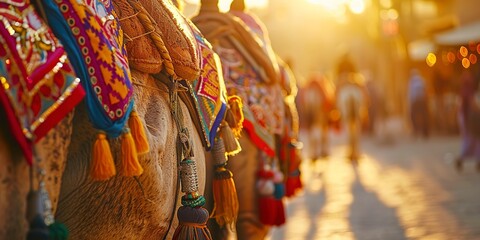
[(418, 106), (315, 102), (352, 101), (469, 120)]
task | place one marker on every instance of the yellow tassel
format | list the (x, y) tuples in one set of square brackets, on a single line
[(130, 165), (103, 166), (225, 198), (138, 133), (232, 146), (234, 115)]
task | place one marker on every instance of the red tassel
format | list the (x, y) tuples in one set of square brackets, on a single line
[(292, 185), (267, 209), (279, 213), (266, 204)]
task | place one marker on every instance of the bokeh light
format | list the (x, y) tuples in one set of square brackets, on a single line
[(451, 57), (473, 58), (465, 63), (463, 51), (431, 59)]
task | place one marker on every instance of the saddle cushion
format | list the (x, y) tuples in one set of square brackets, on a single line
[(142, 52), (38, 86), (178, 39)]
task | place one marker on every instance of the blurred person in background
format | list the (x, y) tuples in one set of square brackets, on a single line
[(315, 102), (375, 106), (469, 119), (352, 101), (418, 104)]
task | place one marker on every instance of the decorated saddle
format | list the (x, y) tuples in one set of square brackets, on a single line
[(209, 90), (38, 86), (249, 73), (94, 42)]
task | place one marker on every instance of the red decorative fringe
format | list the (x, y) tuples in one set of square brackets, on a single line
[(292, 185), (279, 213), (267, 210)]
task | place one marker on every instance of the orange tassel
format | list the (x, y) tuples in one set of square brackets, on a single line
[(225, 198), (225, 209), (130, 165), (103, 166), (138, 133)]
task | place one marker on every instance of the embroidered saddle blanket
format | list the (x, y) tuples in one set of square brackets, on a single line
[(38, 86), (94, 41), (243, 76), (209, 90)]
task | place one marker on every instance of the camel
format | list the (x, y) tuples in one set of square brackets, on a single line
[(122, 207), (250, 71)]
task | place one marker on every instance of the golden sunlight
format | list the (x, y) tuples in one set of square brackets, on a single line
[(357, 6), (224, 5)]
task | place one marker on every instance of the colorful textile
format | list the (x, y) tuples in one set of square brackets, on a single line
[(94, 41), (260, 31), (38, 86), (242, 80), (209, 89), (248, 73)]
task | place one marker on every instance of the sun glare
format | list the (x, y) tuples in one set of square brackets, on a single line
[(224, 5), (356, 6)]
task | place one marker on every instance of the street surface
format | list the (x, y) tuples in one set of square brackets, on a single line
[(401, 188)]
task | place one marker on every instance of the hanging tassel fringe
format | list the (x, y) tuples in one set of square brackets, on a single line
[(279, 213), (232, 146), (293, 183), (103, 166), (234, 115), (130, 165), (58, 231), (225, 209), (266, 189), (192, 224), (192, 217), (138, 133), (267, 209), (225, 198)]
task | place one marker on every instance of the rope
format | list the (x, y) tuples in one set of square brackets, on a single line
[(150, 25)]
